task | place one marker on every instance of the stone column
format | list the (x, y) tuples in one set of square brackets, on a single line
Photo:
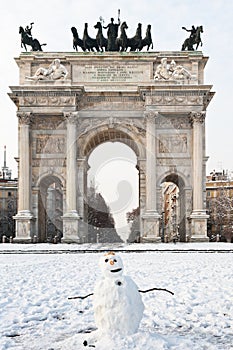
[(24, 217), (82, 190), (71, 217), (198, 216), (151, 216)]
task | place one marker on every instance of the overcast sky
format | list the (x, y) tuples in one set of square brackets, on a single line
[(54, 18)]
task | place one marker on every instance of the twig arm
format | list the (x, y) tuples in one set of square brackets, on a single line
[(80, 297), (151, 289)]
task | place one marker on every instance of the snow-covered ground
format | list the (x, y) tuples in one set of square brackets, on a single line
[(35, 312)]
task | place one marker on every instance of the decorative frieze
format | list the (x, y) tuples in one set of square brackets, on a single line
[(47, 100), (54, 162), (172, 99), (106, 101), (47, 123), (176, 123), (168, 161)]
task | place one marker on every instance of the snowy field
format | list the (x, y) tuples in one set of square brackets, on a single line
[(35, 312)]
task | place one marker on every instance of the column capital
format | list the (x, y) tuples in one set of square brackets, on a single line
[(197, 117), (151, 115), (24, 118), (71, 117)]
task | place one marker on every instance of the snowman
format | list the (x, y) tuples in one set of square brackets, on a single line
[(118, 306)]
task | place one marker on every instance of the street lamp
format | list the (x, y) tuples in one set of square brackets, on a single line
[(97, 235), (163, 219)]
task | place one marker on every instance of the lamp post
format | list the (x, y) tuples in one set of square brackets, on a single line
[(163, 219)]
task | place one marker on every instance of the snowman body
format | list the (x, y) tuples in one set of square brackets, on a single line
[(118, 306)]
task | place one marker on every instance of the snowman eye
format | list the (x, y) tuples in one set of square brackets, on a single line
[(115, 260), (106, 260)]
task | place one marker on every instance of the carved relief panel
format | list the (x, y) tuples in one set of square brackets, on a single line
[(50, 144), (173, 143)]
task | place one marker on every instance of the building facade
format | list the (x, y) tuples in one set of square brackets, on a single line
[(8, 203), (219, 203), (155, 102)]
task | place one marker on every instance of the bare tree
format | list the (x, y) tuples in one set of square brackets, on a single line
[(221, 212), (100, 220)]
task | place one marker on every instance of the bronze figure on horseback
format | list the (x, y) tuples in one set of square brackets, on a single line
[(27, 39), (194, 38)]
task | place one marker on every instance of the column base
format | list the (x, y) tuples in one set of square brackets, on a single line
[(71, 227), (199, 226), (150, 224), (24, 227)]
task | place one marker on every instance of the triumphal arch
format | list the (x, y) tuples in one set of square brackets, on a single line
[(69, 103)]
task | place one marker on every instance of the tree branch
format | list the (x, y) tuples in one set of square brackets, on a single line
[(80, 297), (150, 290)]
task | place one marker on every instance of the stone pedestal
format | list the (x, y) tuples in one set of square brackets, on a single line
[(71, 228), (150, 222), (24, 227), (199, 226)]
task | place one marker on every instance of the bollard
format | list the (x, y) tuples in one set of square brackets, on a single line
[(4, 239), (55, 240), (34, 239), (11, 239)]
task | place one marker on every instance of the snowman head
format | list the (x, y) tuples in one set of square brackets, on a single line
[(111, 265)]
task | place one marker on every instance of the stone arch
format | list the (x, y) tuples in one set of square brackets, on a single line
[(96, 136), (50, 207), (181, 182), (48, 174)]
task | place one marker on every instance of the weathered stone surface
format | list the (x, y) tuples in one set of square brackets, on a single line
[(111, 97)]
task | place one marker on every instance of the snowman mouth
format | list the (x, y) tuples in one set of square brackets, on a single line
[(116, 270)]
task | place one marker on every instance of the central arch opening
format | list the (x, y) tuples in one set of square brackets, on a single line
[(113, 172)]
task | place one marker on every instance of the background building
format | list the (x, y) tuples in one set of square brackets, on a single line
[(8, 202), (219, 203)]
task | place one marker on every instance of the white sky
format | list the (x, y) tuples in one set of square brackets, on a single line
[(53, 20)]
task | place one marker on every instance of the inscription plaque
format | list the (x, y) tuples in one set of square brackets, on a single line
[(111, 73)]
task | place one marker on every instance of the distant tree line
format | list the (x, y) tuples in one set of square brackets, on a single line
[(101, 224)]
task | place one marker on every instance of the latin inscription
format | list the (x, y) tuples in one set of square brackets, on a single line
[(111, 73)]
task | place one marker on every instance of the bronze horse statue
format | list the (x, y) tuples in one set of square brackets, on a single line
[(76, 40), (28, 40), (147, 41), (122, 41), (101, 40), (135, 42), (88, 42), (193, 39)]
